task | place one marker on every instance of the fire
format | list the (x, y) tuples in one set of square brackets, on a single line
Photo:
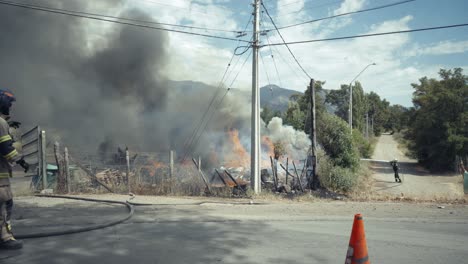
[(268, 150), (238, 156), (154, 166)]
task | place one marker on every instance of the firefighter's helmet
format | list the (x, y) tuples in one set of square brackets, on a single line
[(6, 100)]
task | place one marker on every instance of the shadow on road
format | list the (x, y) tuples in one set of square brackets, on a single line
[(388, 187), (412, 168), (153, 235)]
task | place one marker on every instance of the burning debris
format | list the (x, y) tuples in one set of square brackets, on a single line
[(113, 178)]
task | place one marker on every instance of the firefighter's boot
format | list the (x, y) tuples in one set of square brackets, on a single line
[(11, 244)]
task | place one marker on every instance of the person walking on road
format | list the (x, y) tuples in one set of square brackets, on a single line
[(395, 167)]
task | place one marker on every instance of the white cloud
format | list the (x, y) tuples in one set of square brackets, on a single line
[(349, 6), (336, 62), (440, 48)]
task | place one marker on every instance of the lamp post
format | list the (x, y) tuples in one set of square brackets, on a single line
[(351, 97)]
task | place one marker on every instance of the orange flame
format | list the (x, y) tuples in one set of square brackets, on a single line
[(154, 166), (238, 157)]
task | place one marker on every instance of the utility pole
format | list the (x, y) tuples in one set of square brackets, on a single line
[(313, 136), (351, 97), (255, 126)]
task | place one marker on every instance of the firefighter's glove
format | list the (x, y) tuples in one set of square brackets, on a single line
[(14, 124), (23, 164)]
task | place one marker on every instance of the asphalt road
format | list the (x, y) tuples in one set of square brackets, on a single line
[(418, 183), (179, 231)]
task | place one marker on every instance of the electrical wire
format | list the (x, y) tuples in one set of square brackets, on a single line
[(312, 7), (273, 58), (189, 143), (368, 35), (135, 20), (348, 13), (282, 58), (266, 72), (70, 13), (304, 7), (284, 41), (221, 100)]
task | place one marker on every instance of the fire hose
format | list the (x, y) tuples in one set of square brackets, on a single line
[(80, 229), (128, 204)]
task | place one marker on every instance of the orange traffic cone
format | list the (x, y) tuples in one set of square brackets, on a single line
[(357, 251)]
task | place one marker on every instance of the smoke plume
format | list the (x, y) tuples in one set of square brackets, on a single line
[(97, 85)]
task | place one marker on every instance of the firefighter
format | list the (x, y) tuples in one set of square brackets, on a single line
[(395, 167), (8, 157)]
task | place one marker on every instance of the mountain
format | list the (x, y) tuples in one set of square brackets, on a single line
[(272, 96), (275, 97)]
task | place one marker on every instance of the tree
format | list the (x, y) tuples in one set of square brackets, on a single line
[(397, 118), (267, 114), (304, 104), (378, 112), (340, 100), (359, 107), (439, 121), (337, 142), (294, 116)]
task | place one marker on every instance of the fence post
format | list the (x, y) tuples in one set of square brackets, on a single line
[(39, 155), (43, 158), (171, 170), (127, 158), (171, 161), (67, 170)]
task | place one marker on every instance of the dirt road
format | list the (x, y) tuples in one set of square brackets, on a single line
[(418, 183)]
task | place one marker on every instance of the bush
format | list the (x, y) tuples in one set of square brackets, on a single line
[(334, 177), (337, 142), (362, 144)]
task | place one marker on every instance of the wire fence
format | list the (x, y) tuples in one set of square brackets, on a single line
[(136, 172)]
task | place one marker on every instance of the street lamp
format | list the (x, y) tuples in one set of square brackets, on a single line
[(351, 97)]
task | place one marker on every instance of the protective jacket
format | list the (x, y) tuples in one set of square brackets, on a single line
[(8, 154)]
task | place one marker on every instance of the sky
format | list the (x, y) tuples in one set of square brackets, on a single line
[(400, 59)]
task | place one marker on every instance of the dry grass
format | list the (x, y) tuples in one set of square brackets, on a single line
[(363, 188), (268, 195)]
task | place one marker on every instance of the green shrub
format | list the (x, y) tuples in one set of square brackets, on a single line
[(336, 140), (334, 177), (362, 144)]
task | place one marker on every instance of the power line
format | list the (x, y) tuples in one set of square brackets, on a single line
[(188, 10), (313, 7), (290, 51), (71, 13), (138, 20), (135, 20), (219, 103), (189, 143), (273, 58), (368, 35), (303, 8), (266, 72), (347, 13), (282, 58)]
